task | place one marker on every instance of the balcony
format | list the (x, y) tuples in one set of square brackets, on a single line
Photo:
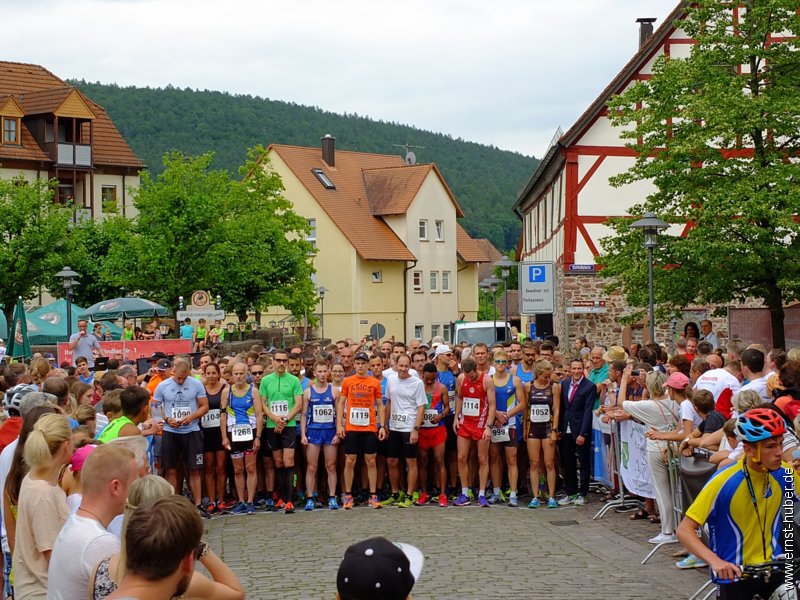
[(73, 155)]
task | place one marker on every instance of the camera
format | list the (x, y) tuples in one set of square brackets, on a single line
[(636, 373)]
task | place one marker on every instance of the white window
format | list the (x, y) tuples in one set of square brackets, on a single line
[(446, 332), (435, 329), (377, 276), (439, 230), (434, 281), (417, 282), (423, 229), (311, 238), (446, 281), (419, 332)]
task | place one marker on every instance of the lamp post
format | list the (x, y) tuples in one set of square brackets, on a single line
[(505, 270), (650, 226), (69, 279), (321, 290), (493, 283)]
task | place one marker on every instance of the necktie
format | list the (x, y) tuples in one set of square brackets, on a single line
[(572, 391)]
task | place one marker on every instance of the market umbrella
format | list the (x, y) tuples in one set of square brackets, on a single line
[(124, 308), (55, 313), (18, 343), (41, 332)]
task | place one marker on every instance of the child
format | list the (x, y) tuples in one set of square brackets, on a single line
[(111, 409), (199, 338)]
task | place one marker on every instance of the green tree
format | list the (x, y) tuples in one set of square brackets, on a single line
[(199, 229), (718, 133), (34, 233)]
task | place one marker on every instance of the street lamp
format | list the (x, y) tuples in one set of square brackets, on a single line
[(322, 290), (505, 270), (650, 226), (493, 283), (69, 279), (164, 328)]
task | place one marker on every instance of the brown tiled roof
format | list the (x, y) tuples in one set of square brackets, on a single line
[(492, 255), (43, 89), (391, 190), (513, 305), (347, 205), (469, 249)]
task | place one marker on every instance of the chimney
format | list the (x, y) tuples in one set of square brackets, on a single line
[(645, 29), (328, 152)]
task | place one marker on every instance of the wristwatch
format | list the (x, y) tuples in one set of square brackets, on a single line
[(416, 427), (202, 550)]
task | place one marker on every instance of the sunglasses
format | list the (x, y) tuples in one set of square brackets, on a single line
[(501, 362), (256, 372)]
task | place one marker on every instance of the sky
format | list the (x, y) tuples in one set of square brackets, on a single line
[(506, 73)]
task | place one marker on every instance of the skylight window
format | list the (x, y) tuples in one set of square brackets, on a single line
[(323, 179)]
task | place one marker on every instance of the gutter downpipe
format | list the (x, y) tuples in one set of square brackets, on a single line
[(405, 297)]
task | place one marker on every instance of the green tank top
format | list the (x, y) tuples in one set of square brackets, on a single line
[(111, 432)]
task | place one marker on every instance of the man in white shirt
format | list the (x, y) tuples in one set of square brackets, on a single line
[(723, 385), (707, 334), (754, 373), (84, 540)]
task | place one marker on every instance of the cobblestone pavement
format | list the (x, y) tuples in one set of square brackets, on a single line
[(469, 552)]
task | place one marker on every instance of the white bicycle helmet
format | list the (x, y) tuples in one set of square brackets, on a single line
[(13, 397)]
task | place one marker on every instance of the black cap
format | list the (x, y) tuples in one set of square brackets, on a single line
[(361, 356), (157, 355), (380, 569), (163, 364)]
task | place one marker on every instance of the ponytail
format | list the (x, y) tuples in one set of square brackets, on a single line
[(49, 433)]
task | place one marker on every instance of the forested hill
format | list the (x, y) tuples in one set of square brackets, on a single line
[(484, 179)]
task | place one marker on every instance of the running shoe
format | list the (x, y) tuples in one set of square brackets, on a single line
[(443, 501), (251, 509), (551, 503), (226, 505), (240, 509), (260, 500), (279, 504), (664, 538), (415, 497), (332, 504), (494, 499), (423, 499), (462, 500), (470, 494), (535, 503), (288, 508), (406, 502), (203, 512), (212, 508), (269, 505), (580, 500), (691, 562), (393, 499), (317, 503), (567, 500), (300, 497), (483, 502), (348, 501), (504, 496), (309, 505), (375, 503), (513, 502)]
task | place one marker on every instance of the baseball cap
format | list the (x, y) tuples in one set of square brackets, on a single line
[(79, 457), (443, 349), (361, 356), (163, 364), (156, 356), (677, 381), (380, 569)]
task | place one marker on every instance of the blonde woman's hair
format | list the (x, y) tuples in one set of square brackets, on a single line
[(84, 413), (39, 369), (793, 353), (142, 491), (745, 400), (49, 433), (541, 366), (655, 383)]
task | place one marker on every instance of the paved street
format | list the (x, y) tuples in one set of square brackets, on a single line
[(469, 552)]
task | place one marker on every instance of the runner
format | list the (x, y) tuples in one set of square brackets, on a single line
[(406, 408), (337, 375), (320, 406), (214, 458), (240, 425), (443, 358), (295, 367), (283, 401), (376, 369), (541, 429), (510, 402), (742, 506), (185, 402), (433, 434), (475, 410), (480, 355), (361, 418)]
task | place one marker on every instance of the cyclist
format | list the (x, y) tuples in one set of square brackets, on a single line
[(742, 506)]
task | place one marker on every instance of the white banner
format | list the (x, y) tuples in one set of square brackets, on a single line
[(633, 460)]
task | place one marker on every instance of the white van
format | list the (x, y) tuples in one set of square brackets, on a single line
[(487, 332)]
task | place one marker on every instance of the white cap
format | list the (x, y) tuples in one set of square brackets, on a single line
[(442, 349)]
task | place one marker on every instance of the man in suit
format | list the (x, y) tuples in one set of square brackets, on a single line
[(575, 427)]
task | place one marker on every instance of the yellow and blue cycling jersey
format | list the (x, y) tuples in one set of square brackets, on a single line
[(725, 505)]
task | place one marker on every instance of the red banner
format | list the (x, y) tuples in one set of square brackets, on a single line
[(131, 350)]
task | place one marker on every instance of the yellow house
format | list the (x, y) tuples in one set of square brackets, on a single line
[(390, 251)]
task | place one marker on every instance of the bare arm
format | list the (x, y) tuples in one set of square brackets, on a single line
[(304, 413), (9, 520), (223, 585)]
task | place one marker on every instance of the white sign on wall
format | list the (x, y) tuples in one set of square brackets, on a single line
[(536, 288)]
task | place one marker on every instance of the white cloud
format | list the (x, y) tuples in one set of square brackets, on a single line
[(506, 73)]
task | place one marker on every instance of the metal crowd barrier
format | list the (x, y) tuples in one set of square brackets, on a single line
[(621, 503)]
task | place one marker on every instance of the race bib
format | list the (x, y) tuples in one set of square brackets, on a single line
[(179, 412), (210, 419), (540, 413), (500, 434), (400, 419), (280, 408), (242, 433), (428, 418), (359, 417), (322, 413), (471, 407)]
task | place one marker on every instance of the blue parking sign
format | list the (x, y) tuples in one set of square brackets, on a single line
[(537, 273)]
